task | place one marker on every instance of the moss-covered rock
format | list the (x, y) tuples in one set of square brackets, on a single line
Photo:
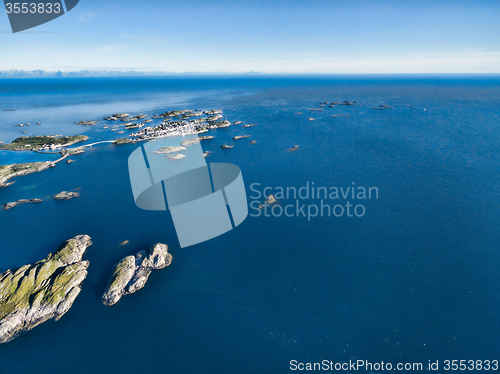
[(36, 293)]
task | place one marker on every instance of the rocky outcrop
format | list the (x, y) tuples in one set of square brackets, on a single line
[(132, 272), (36, 293), (65, 195), (22, 201), (240, 137), (270, 200)]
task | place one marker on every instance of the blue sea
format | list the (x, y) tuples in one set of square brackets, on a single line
[(415, 278)]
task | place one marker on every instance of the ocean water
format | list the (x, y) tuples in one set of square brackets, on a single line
[(416, 278)]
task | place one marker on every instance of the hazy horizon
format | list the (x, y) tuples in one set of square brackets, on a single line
[(297, 37)]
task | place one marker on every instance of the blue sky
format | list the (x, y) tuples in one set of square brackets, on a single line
[(332, 36)]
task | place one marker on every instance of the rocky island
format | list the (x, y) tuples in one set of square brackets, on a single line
[(22, 201), (36, 293), (15, 170), (65, 195), (40, 142), (240, 137), (132, 272)]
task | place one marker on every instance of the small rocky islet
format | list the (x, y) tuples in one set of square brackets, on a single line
[(21, 201), (65, 195), (131, 273)]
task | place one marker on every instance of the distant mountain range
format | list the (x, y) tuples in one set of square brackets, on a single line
[(96, 73)]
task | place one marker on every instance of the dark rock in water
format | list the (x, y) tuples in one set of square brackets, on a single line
[(382, 107), (22, 201), (65, 195), (92, 123), (225, 146), (46, 290), (132, 272), (253, 142)]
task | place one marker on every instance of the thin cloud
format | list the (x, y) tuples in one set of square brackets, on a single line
[(302, 54), (86, 17)]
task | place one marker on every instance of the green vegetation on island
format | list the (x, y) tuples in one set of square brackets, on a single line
[(10, 171), (36, 293), (40, 142)]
